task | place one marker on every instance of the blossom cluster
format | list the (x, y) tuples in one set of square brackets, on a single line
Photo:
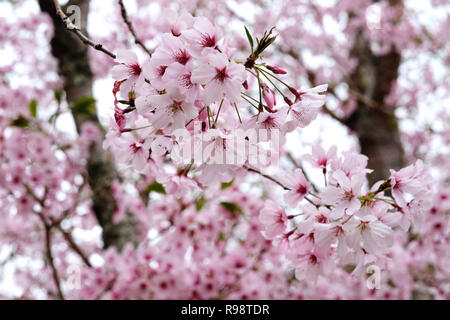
[(193, 83), (198, 238), (344, 223), (193, 76)]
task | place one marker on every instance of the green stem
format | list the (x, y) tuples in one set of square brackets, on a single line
[(273, 84), (139, 128), (218, 112), (237, 111), (254, 106), (209, 117), (260, 106), (310, 201), (248, 96), (275, 77), (201, 110)]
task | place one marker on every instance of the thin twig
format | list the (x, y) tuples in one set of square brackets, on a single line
[(127, 21), (358, 95), (108, 287), (279, 183), (237, 111), (267, 177), (48, 240), (333, 115), (74, 246), (73, 28), (48, 247), (218, 112), (299, 165)]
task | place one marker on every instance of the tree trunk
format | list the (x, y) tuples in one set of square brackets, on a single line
[(74, 68), (373, 122)]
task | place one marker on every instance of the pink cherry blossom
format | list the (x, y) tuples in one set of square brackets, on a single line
[(172, 50), (374, 234), (203, 35), (345, 194), (311, 264), (222, 79), (182, 74), (171, 109), (306, 109), (128, 70), (320, 159), (109, 198), (178, 22), (299, 187), (273, 218), (407, 180)]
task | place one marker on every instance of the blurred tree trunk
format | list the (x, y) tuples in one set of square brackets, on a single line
[(373, 121), (74, 68)]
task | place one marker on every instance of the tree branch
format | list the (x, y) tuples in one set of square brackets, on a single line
[(48, 247), (358, 95), (108, 287), (73, 28), (267, 177), (326, 110), (127, 21), (299, 165), (70, 240)]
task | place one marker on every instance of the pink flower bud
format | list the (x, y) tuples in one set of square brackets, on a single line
[(288, 101), (276, 69), (294, 91), (175, 32), (269, 96), (120, 118), (299, 95), (116, 87), (245, 85)]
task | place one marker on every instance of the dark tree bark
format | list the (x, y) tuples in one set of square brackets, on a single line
[(376, 126), (74, 68), (374, 123)]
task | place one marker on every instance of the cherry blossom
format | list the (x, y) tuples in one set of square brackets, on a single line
[(306, 109), (299, 187), (108, 197), (203, 35), (320, 159), (128, 70), (274, 218), (375, 235), (171, 109), (346, 195), (220, 77)]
